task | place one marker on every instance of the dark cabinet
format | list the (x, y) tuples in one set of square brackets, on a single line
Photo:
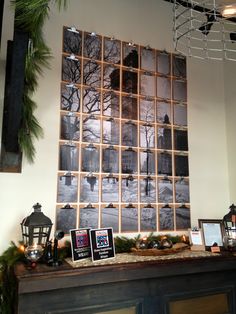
[(173, 286)]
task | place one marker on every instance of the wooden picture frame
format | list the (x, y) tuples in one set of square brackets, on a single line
[(123, 135), (213, 232)]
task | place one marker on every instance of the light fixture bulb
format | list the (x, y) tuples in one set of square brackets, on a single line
[(229, 10)]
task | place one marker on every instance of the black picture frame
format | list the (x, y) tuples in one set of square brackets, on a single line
[(213, 232)]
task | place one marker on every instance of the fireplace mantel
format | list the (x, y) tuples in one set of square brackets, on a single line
[(155, 286)]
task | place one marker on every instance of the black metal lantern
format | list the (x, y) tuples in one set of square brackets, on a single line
[(36, 227), (229, 221)]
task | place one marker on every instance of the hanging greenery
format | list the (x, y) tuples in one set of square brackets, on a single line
[(30, 16)]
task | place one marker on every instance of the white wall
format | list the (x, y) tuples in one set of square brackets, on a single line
[(144, 22), (230, 101)]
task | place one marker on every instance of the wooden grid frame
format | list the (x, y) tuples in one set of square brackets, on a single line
[(127, 78)]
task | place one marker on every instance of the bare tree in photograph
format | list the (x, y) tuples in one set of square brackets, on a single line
[(91, 101), (147, 136), (147, 162), (130, 54), (129, 82), (112, 49), (111, 77), (147, 190), (92, 74), (129, 161), (146, 110), (92, 46), (70, 98), (111, 104), (72, 40), (71, 70)]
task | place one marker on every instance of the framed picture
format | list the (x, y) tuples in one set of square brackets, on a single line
[(213, 231), (123, 142)]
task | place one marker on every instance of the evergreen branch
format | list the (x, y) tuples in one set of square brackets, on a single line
[(61, 4), (30, 16), (8, 283)]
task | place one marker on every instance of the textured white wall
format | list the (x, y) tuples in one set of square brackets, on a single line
[(144, 22), (230, 101)]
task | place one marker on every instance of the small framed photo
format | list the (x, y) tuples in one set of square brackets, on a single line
[(213, 232), (102, 244), (80, 244), (195, 237)]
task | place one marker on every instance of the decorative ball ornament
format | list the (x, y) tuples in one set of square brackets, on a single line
[(33, 253), (153, 245), (166, 244)]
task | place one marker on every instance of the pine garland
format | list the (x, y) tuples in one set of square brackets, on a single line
[(30, 16), (7, 280), (13, 255), (124, 244)]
